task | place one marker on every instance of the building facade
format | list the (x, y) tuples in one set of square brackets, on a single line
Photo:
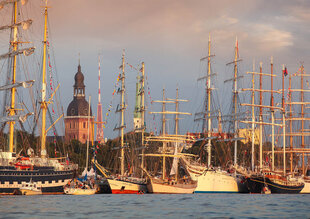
[(76, 120)]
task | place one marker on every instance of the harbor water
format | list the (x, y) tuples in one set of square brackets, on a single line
[(156, 206)]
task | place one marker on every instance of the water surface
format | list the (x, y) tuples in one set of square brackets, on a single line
[(156, 206)]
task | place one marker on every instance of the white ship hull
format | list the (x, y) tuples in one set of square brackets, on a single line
[(79, 191), (126, 187), (216, 182), (30, 192), (158, 186), (306, 188), (194, 170)]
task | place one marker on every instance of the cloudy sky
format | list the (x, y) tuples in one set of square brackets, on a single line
[(170, 36)]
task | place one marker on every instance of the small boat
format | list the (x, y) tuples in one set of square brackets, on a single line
[(266, 190), (80, 187), (80, 191), (30, 188)]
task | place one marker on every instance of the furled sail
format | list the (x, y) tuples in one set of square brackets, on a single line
[(24, 84), (21, 118), (26, 52), (174, 167)]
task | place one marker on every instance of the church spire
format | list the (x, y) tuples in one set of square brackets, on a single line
[(79, 87)]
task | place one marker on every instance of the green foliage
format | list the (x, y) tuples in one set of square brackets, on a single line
[(108, 154)]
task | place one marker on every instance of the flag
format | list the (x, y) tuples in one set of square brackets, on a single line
[(67, 159), (285, 71)]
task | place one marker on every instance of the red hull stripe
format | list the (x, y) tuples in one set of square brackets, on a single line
[(118, 191)]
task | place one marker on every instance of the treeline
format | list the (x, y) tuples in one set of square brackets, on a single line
[(108, 154)]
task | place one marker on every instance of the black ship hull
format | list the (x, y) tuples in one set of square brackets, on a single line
[(242, 184), (283, 189), (50, 180), (256, 183)]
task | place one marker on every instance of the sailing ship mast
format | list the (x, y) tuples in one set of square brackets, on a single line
[(177, 102), (290, 120), (302, 116), (235, 113), (253, 117), (123, 107), (236, 100), (12, 109), (164, 132), (272, 114), (303, 132), (261, 106), (164, 137), (207, 111), (260, 116), (14, 52), (43, 100), (208, 87), (122, 110), (49, 173), (283, 120), (44, 103)]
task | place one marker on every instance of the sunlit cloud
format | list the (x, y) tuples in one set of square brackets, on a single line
[(269, 37), (171, 36), (301, 14)]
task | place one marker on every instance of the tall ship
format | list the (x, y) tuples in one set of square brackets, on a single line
[(172, 145), (123, 183), (15, 170), (298, 121), (213, 179), (267, 177)]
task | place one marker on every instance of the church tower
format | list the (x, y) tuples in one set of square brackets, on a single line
[(76, 121), (137, 120)]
